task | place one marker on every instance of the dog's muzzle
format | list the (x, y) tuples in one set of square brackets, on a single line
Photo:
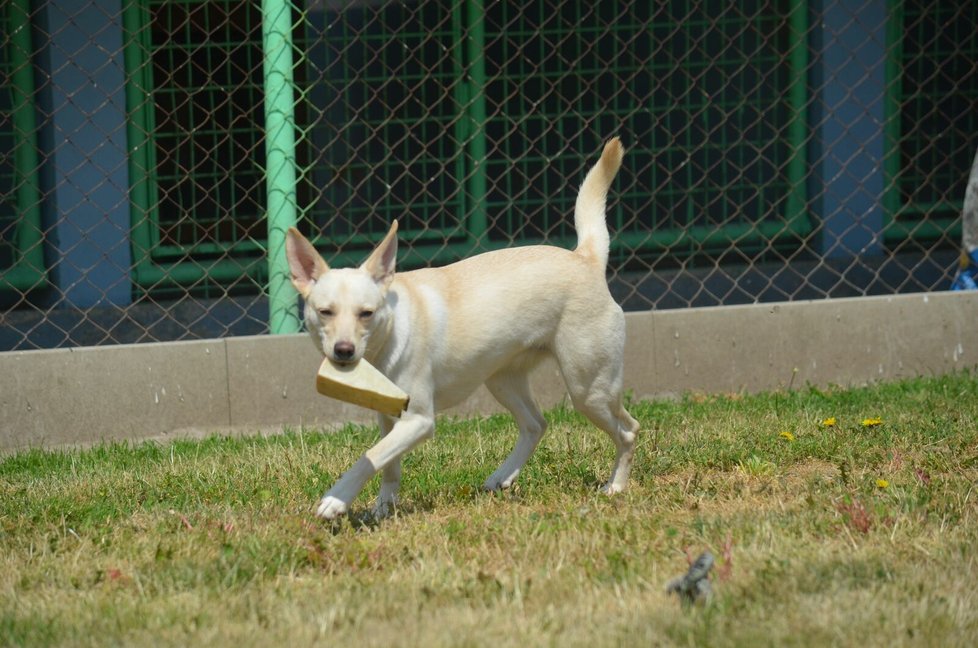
[(344, 351)]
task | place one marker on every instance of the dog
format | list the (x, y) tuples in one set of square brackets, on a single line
[(439, 333)]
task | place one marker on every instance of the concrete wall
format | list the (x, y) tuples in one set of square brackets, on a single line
[(252, 384)]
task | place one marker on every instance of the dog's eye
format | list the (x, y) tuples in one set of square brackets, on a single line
[(366, 314), (326, 312)]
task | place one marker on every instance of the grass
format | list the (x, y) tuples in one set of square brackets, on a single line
[(846, 534)]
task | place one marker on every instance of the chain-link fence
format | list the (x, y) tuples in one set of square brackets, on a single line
[(776, 150)]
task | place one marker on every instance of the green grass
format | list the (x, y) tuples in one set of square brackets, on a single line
[(844, 534)]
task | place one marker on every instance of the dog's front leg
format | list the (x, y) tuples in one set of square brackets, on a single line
[(409, 431), (391, 476)]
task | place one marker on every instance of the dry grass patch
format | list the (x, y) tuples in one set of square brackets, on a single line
[(212, 542)]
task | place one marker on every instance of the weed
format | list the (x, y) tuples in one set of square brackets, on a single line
[(755, 466), (855, 515)]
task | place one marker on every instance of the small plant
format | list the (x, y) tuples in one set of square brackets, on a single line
[(855, 515), (755, 466)]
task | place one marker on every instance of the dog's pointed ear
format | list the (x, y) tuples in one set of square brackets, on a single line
[(380, 264), (305, 264)]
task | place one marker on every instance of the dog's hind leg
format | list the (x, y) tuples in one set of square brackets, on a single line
[(612, 417), (511, 388), (593, 373)]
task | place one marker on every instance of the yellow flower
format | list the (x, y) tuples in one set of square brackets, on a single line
[(787, 436), (829, 422), (872, 421), (882, 483)]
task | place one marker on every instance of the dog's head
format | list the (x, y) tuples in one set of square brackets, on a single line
[(342, 307)]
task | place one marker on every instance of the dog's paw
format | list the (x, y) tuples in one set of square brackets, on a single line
[(384, 508), (494, 485), (331, 508), (500, 481), (611, 489)]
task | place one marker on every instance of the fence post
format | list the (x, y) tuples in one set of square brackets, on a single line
[(280, 175), (477, 118), (30, 271)]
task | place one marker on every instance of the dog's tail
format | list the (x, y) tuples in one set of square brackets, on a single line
[(589, 216)]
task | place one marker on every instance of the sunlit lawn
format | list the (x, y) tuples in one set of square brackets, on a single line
[(842, 517)]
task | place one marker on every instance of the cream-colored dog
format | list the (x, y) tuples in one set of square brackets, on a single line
[(439, 333)]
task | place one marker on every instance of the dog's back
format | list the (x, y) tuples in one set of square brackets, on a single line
[(487, 312)]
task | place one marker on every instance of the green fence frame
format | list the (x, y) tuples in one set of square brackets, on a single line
[(794, 218), (440, 238), (155, 264), (473, 163), (908, 220), (797, 221), (27, 270)]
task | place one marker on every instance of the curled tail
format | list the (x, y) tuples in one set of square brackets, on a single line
[(589, 215)]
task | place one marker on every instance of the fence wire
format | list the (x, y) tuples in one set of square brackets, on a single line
[(776, 150)]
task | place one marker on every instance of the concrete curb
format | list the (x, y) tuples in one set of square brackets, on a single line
[(261, 383)]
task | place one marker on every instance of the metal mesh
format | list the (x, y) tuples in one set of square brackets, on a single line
[(776, 150)]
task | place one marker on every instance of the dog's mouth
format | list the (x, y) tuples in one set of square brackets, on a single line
[(343, 360), (344, 353)]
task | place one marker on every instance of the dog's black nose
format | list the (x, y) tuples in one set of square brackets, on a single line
[(343, 351)]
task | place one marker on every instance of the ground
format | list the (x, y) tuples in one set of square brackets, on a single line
[(836, 517)]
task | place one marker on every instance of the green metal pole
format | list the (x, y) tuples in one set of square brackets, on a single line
[(29, 237), (142, 150), (797, 97), (478, 221), (280, 174), (892, 125)]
